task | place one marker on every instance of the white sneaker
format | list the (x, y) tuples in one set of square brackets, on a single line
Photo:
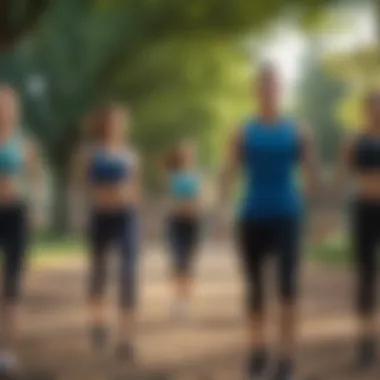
[(9, 364)]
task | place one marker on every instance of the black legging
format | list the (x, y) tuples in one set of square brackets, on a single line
[(119, 228), (366, 239), (256, 240), (13, 242), (183, 240)]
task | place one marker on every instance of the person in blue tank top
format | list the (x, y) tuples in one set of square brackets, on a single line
[(106, 172), (183, 184), (18, 162), (268, 149)]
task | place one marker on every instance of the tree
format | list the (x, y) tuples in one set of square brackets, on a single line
[(318, 100), (80, 48), (17, 17)]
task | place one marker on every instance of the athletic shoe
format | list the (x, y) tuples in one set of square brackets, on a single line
[(99, 337), (366, 354), (257, 364), (125, 351), (9, 365), (284, 371)]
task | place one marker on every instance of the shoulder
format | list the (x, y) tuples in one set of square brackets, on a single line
[(242, 128)]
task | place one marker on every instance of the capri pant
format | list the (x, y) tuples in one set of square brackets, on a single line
[(256, 240), (119, 229), (13, 242), (183, 241), (366, 239)]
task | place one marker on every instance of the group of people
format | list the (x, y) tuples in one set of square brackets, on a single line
[(266, 151)]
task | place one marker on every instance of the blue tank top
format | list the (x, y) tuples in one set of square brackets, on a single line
[(11, 157), (109, 168), (184, 185), (270, 156)]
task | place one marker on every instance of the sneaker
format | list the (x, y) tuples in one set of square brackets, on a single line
[(9, 365), (366, 354), (99, 337), (125, 351), (284, 371), (257, 364)]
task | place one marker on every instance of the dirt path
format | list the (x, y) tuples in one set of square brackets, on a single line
[(210, 346)]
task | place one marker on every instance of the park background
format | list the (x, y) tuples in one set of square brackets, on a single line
[(185, 69)]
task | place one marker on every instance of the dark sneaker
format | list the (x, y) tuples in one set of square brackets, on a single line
[(257, 364), (366, 354), (125, 351), (284, 371), (99, 337)]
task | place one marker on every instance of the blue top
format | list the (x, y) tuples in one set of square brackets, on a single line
[(184, 185), (109, 168), (270, 156), (12, 157)]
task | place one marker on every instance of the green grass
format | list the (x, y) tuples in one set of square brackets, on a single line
[(334, 251), (51, 249)]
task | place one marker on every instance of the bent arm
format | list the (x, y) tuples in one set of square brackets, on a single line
[(35, 177), (77, 185), (310, 162)]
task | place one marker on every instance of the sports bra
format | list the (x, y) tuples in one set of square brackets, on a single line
[(367, 154), (109, 168), (12, 157), (184, 185)]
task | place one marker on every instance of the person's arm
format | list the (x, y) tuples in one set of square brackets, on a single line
[(227, 180), (137, 179), (77, 184), (310, 162), (230, 167), (35, 181)]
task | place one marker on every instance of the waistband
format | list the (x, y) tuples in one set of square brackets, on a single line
[(122, 211)]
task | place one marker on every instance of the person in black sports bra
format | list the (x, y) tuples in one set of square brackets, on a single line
[(360, 157), (106, 171)]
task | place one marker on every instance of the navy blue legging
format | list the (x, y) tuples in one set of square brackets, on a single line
[(13, 243), (120, 229), (183, 241)]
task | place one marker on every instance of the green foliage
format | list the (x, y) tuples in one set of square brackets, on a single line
[(319, 97), (334, 251), (360, 70), (186, 88), (173, 60)]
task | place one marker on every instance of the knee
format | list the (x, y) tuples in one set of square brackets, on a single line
[(255, 298), (288, 290), (182, 265), (97, 284), (366, 302), (11, 293), (128, 297)]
